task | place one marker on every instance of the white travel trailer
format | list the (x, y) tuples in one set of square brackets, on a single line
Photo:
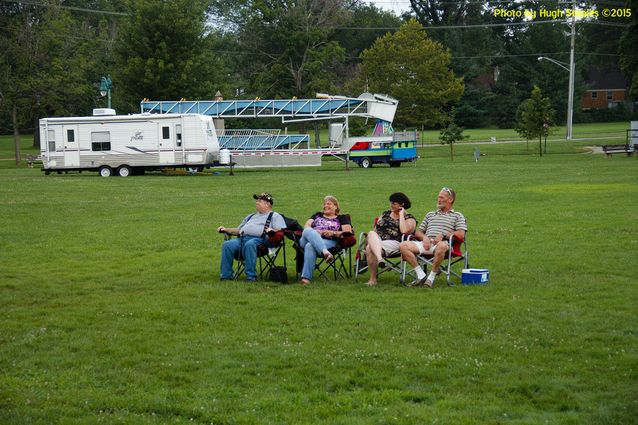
[(128, 144)]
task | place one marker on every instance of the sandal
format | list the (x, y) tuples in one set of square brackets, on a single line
[(303, 281)]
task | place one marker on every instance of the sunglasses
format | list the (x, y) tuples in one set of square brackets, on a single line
[(448, 190)]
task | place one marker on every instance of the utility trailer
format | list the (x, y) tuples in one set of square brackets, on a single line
[(393, 150), (128, 144)]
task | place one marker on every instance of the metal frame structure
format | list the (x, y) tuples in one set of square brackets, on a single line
[(367, 105), (324, 107), (255, 139)]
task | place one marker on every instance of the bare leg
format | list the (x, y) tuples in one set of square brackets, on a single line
[(439, 254), (408, 252), (374, 245)]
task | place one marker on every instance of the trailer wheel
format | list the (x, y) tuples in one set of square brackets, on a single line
[(124, 171), (105, 171), (366, 163), (395, 163)]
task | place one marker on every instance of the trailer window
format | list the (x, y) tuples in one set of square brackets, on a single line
[(178, 134), (51, 140), (100, 141), (166, 133), (70, 136)]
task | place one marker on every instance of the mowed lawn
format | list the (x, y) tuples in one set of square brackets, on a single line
[(111, 308)]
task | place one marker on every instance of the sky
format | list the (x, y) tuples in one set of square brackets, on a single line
[(396, 6)]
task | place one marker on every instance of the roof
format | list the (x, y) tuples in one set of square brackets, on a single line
[(606, 79)]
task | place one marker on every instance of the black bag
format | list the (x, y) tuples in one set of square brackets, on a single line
[(278, 274)]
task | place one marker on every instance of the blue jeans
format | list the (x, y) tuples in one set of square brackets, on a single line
[(248, 246), (313, 245)]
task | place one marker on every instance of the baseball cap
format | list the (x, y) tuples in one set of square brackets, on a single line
[(265, 196)]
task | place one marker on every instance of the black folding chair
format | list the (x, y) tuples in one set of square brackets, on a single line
[(267, 257), (341, 265)]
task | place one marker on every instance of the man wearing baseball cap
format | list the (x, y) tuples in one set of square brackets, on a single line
[(252, 233)]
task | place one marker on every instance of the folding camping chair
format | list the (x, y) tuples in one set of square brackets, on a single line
[(341, 265), (267, 257), (393, 262), (457, 253)]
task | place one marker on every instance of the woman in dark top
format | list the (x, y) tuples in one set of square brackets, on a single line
[(320, 233), (385, 239)]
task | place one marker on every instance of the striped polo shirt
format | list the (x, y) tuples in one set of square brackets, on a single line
[(437, 222)]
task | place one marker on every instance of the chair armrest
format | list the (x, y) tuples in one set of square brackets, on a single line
[(346, 240), (275, 237)]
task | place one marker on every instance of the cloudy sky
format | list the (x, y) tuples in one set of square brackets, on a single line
[(397, 6)]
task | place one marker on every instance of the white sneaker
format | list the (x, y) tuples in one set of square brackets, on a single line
[(427, 282)]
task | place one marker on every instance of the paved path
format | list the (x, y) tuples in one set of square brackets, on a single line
[(592, 149)]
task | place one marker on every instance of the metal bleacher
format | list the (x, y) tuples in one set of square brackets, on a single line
[(260, 140)]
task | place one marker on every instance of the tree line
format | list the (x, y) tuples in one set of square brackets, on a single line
[(441, 58)]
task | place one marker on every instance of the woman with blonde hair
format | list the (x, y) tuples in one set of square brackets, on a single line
[(321, 232)]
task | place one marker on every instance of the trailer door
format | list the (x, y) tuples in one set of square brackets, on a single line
[(71, 146), (166, 144)]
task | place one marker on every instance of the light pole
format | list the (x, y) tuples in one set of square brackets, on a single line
[(571, 69), (570, 96), (105, 89)]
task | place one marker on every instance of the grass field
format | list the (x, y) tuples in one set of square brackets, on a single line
[(112, 311), (615, 131)]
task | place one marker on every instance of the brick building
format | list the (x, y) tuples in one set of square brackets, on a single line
[(607, 88)]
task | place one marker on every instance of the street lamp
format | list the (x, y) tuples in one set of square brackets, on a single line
[(559, 63), (105, 89), (570, 97)]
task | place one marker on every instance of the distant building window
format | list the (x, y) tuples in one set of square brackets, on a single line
[(166, 133), (100, 141), (70, 136), (594, 95), (610, 95)]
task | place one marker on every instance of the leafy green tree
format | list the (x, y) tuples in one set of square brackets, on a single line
[(369, 23), (162, 53), (472, 49), (534, 117), (450, 135), (45, 68), (413, 68), (627, 49), (288, 45)]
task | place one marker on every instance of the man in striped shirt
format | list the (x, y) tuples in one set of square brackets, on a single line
[(433, 235)]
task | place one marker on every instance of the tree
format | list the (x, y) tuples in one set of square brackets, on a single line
[(45, 66), (450, 135), (411, 67), (162, 53), (627, 49), (370, 23), (288, 45), (534, 117)]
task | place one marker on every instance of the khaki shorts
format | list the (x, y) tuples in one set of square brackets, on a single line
[(423, 251), (390, 247)]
